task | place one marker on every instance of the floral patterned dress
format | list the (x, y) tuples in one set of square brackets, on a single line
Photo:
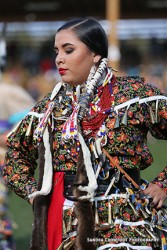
[(123, 219)]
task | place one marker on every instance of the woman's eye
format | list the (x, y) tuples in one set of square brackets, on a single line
[(69, 51)]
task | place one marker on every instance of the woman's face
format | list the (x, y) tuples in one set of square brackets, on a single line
[(73, 59)]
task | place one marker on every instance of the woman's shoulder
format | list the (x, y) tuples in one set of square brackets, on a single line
[(130, 80), (138, 85), (41, 105), (55, 94)]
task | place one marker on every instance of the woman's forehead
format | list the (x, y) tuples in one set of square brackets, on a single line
[(67, 35)]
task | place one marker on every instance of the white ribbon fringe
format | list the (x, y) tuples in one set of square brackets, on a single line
[(92, 185), (48, 169)]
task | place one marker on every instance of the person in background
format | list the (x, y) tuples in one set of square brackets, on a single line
[(89, 136), (14, 105)]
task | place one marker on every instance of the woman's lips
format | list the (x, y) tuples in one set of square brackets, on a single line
[(62, 71)]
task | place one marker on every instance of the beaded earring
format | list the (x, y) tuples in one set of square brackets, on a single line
[(87, 95)]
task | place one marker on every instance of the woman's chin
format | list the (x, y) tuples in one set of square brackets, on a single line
[(67, 81)]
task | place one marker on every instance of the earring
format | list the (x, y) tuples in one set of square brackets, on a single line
[(92, 72)]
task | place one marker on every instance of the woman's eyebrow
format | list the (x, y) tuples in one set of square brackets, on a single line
[(64, 45)]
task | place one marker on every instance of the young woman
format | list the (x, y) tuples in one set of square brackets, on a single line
[(90, 138)]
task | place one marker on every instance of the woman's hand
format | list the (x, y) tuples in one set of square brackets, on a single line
[(157, 194)]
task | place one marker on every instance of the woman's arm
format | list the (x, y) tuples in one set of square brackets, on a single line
[(21, 160), (157, 125)]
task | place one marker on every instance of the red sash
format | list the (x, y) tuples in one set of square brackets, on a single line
[(54, 223)]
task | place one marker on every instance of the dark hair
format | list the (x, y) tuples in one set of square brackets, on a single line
[(91, 33)]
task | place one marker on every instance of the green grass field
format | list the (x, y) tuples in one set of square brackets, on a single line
[(21, 211)]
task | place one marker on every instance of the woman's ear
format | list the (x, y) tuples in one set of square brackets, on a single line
[(96, 59)]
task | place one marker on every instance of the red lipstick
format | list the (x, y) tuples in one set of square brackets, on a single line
[(62, 71)]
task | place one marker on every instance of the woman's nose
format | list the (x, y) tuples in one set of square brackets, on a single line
[(59, 59)]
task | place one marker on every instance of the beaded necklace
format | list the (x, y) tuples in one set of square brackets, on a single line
[(95, 104), (100, 107)]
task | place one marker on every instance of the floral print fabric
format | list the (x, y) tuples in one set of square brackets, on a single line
[(127, 143)]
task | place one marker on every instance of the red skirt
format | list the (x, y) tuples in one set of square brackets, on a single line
[(54, 223)]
